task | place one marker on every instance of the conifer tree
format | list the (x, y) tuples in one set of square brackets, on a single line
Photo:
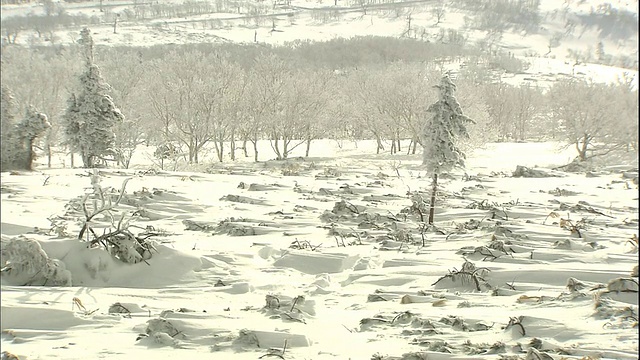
[(440, 134), (32, 126), (18, 140), (7, 106), (91, 115)]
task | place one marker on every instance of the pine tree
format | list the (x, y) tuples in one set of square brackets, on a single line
[(91, 115), (440, 135)]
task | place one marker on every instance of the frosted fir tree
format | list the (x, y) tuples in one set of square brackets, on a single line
[(7, 106), (91, 115), (440, 135), (33, 126), (18, 140)]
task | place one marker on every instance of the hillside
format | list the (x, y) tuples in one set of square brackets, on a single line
[(594, 31)]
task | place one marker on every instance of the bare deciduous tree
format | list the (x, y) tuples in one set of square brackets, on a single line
[(589, 125)]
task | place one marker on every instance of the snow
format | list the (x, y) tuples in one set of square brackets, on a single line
[(209, 294), (352, 289)]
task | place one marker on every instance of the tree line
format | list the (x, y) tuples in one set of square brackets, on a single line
[(192, 98)]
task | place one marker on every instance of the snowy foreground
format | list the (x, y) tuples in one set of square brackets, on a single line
[(325, 255)]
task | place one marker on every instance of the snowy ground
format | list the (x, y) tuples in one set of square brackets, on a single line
[(277, 261)]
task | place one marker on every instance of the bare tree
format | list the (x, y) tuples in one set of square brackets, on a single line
[(197, 98), (627, 104), (501, 109), (365, 90), (220, 102), (403, 99), (126, 72), (527, 102), (268, 79), (438, 11), (587, 112)]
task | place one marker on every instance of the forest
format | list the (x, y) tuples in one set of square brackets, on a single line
[(186, 98)]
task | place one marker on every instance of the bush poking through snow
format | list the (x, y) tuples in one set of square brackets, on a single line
[(117, 239), (623, 285), (24, 258), (9, 356), (288, 309), (117, 308), (302, 245), (517, 323), (523, 171), (469, 275), (163, 332), (533, 354), (407, 356), (247, 338)]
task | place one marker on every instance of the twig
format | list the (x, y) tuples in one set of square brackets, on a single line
[(293, 303), (271, 354), (516, 321), (293, 318), (351, 207), (398, 316)]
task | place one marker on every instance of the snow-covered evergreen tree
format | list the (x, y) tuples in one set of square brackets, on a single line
[(91, 115), (440, 135), (18, 139), (34, 125), (7, 107)]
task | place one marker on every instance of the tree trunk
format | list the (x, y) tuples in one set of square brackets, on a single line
[(582, 148), (415, 145), (432, 205), (306, 152), (285, 148), (379, 144), (275, 144), (191, 152), (233, 145), (49, 155), (30, 155), (255, 150), (244, 147), (87, 161), (220, 150), (72, 164), (398, 141)]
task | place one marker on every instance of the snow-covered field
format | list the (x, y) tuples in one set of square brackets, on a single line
[(325, 255)]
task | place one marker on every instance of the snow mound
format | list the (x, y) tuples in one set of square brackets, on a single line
[(95, 267), (316, 263)]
